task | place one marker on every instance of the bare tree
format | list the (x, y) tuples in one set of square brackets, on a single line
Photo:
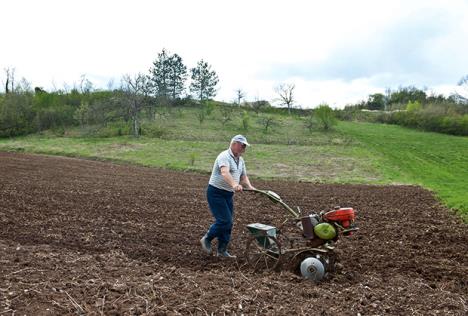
[(66, 88), (24, 86), (110, 84), (7, 83), (463, 83), (258, 105), (86, 86), (135, 90), (285, 92), (10, 80), (226, 114), (239, 96), (267, 122)]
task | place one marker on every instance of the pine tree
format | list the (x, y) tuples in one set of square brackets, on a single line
[(204, 81), (177, 76), (159, 75), (168, 76)]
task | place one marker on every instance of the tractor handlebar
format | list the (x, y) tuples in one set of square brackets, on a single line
[(276, 199)]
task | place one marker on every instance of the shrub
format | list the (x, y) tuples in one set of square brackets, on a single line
[(53, 117), (429, 120), (226, 114), (201, 115), (267, 122), (325, 116), (16, 115), (153, 130), (245, 120), (413, 106), (209, 106), (310, 122), (193, 158)]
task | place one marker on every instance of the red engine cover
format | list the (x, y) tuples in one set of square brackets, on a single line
[(344, 215)]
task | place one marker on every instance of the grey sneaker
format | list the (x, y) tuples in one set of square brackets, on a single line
[(206, 245), (225, 254)]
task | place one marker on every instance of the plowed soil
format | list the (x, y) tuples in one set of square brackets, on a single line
[(87, 237)]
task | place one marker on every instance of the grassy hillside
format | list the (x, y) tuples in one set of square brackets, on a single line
[(352, 153), (435, 161)]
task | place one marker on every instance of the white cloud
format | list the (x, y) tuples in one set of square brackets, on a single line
[(335, 51)]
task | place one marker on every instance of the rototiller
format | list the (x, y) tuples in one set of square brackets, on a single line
[(308, 241)]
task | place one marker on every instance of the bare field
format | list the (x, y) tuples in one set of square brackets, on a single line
[(80, 236)]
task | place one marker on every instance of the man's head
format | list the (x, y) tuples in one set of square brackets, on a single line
[(238, 144)]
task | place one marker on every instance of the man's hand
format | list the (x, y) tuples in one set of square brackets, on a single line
[(238, 188)]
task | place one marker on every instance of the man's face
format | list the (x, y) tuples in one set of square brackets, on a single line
[(238, 148)]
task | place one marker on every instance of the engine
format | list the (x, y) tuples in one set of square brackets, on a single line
[(342, 216), (327, 226)]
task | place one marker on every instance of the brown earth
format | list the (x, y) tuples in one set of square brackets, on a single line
[(81, 236)]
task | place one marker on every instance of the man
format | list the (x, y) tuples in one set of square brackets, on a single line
[(228, 176)]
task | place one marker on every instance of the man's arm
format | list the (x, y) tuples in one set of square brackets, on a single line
[(229, 179), (245, 180)]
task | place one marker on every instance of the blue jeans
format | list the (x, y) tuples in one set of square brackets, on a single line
[(222, 207)]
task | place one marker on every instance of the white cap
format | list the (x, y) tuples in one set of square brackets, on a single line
[(241, 139)]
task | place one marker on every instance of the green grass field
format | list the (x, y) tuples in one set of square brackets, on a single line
[(435, 161), (352, 153)]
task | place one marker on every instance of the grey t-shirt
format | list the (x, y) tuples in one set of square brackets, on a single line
[(236, 169)]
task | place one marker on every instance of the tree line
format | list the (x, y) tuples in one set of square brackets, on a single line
[(24, 110), (414, 108)]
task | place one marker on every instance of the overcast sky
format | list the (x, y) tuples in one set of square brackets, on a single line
[(336, 52)]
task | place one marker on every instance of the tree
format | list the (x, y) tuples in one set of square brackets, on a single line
[(258, 105), (177, 76), (239, 96), (168, 76), (325, 116), (245, 120), (285, 92), (376, 101), (204, 81), (267, 122), (407, 94), (159, 75), (135, 92), (310, 122), (388, 92), (413, 106), (464, 84), (86, 86), (10, 80), (226, 114), (201, 115)]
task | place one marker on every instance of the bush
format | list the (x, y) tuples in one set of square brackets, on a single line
[(153, 130), (429, 121), (310, 122), (53, 117), (209, 107), (325, 116), (413, 106), (245, 120), (226, 114), (267, 122), (112, 129), (16, 115), (201, 115), (193, 157)]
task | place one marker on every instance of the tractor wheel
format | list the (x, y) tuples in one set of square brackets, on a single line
[(327, 259), (312, 269), (263, 253)]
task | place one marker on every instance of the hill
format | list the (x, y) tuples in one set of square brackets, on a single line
[(350, 153)]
